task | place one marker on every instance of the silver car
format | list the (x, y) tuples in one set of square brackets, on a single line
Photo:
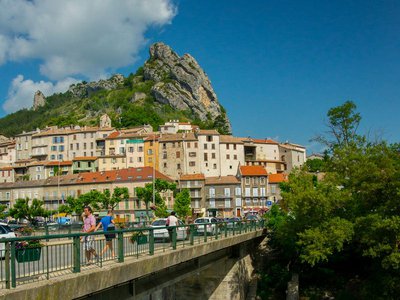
[(162, 233), (5, 232), (211, 225)]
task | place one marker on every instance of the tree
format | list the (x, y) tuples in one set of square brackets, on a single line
[(145, 194), (23, 210), (350, 218), (111, 201), (182, 204), (2, 211)]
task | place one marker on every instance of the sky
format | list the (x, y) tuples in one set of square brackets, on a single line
[(276, 66)]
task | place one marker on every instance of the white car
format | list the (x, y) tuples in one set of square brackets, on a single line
[(5, 232), (211, 228), (162, 233)]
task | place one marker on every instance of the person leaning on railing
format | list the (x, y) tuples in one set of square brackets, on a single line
[(108, 225)]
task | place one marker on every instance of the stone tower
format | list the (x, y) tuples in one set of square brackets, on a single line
[(105, 121)]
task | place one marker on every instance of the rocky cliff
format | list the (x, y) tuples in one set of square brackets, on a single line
[(181, 83)]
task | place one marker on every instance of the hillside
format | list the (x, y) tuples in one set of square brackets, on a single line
[(166, 87)]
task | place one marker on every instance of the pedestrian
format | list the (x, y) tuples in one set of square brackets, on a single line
[(171, 221), (89, 225), (108, 225)]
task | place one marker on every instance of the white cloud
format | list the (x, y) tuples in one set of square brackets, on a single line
[(21, 92), (78, 37)]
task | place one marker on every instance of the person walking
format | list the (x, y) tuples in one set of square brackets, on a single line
[(171, 221), (89, 225), (108, 225)]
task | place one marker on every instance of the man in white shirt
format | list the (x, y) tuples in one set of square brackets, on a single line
[(171, 221)]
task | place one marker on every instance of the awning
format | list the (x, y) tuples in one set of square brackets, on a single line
[(59, 215)]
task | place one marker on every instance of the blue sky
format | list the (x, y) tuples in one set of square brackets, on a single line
[(276, 66)]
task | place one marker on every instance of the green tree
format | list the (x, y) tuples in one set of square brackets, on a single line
[(2, 211), (182, 204), (145, 194), (351, 217), (23, 210), (109, 201)]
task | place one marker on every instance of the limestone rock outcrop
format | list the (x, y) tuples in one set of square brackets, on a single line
[(39, 100), (84, 89), (182, 83)]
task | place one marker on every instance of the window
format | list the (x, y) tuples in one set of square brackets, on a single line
[(238, 202), (227, 192), (262, 180), (178, 154), (73, 154), (79, 164), (38, 177), (247, 192), (214, 166), (77, 146), (178, 166), (213, 146), (212, 192), (195, 144), (89, 164), (205, 157), (262, 192), (235, 157), (227, 203), (247, 180), (192, 163), (91, 145), (165, 165), (192, 154), (150, 160), (213, 155), (209, 138), (255, 192), (238, 191), (131, 159), (71, 147), (84, 153), (61, 148), (248, 201), (131, 149), (212, 203), (52, 157), (205, 146), (164, 146), (273, 189), (53, 148), (139, 159), (150, 152), (140, 148), (234, 146), (74, 137), (227, 146), (227, 156), (255, 180), (164, 155), (84, 146), (188, 144)]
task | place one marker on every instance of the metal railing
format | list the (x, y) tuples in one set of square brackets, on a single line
[(61, 254)]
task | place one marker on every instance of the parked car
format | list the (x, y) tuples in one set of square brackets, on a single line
[(162, 233), (14, 225), (211, 228), (232, 222), (5, 232), (52, 226), (252, 218)]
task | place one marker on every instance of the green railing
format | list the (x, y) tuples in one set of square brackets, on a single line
[(62, 254)]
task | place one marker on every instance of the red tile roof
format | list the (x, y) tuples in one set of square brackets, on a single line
[(192, 177), (113, 135), (85, 158), (265, 141), (253, 171), (276, 178), (222, 180), (59, 163), (129, 174)]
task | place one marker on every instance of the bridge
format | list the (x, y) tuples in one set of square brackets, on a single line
[(199, 266)]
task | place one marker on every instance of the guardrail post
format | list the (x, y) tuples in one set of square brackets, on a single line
[(174, 238), (240, 227), (205, 233), (7, 264), (151, 241), (69, 230), (46, 229), (77, 254), (235, 223), (191, 232), (226, 229), (12, 262), (120, 247)]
